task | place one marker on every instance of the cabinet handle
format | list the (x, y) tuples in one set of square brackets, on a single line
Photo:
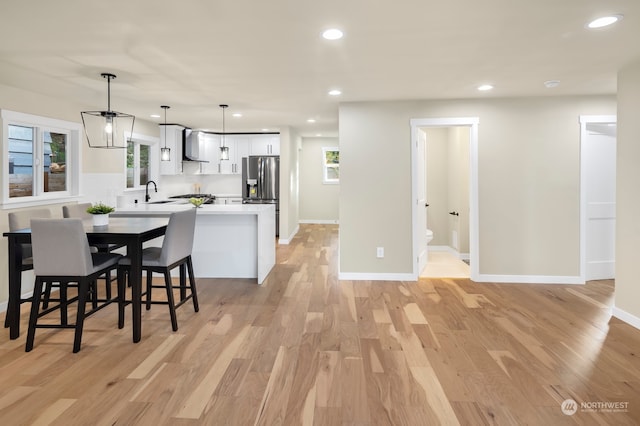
[(454, 213)]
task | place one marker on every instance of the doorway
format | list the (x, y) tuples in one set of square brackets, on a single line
[(597, 197), (451, 225)]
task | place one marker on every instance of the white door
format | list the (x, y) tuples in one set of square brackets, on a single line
[(421, 184), (599, 160)]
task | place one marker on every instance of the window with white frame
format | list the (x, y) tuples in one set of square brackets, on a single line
[(41, 157), (330, 165), (142, 161)]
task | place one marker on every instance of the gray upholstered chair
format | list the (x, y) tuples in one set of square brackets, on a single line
[(20, 220), (61, 253), (175, 251), (79, 211), (76, 211)]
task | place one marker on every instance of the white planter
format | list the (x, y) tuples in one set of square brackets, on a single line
[(100, 219)]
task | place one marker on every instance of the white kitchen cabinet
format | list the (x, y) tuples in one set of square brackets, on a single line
[(238, 148), (265, 145), (211, 154), (173, 141), (228, 200)]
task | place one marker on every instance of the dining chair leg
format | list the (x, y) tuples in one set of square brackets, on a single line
[(172, 306), (33, 317), (107, 277), (94, 293), (183, 281), (149, 288), (83, 290), (47, 295), (64, 320), (192, 283)]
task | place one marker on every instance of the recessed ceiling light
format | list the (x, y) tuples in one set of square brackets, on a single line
[(604, 21), (332, 34), (154, 116), (550, 84), (485, 87), (311, 120), (237, 114), (335, 92)]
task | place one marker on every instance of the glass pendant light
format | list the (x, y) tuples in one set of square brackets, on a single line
[(224, 150), (105, 129), (165, 153)]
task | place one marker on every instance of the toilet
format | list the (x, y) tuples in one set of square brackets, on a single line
[(429, 235)]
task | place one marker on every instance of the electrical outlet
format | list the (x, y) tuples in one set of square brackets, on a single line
[(380, 252)]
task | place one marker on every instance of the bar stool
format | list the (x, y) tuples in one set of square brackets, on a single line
[(175, 251), (61, 253)]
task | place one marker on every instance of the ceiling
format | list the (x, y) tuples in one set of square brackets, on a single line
[(268, 61)]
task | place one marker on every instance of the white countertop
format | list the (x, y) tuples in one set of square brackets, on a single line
[(151, 209)]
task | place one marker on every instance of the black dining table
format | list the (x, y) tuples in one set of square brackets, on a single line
[(126, 231)]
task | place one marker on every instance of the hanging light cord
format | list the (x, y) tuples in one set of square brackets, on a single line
[(165, 107), (223, 106)]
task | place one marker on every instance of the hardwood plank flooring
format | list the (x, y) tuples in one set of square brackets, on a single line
[(308, 349)]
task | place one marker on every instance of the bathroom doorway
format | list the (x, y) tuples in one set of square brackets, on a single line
[(447, 193), (444, 154)]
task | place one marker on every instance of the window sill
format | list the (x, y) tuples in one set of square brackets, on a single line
[(40, 201)]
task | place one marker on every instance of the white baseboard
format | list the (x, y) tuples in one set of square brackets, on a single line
[(285, 241), (529, 279), (370, 276), (632, 320), (320, 221)]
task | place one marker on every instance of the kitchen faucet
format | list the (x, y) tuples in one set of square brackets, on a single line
[(147, 197)]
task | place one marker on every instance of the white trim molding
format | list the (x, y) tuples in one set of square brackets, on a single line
[(625, 316), (285, 241), (371, 276), (474, 221), (530, 279)]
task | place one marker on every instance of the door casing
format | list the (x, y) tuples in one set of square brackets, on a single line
[(419, 226)]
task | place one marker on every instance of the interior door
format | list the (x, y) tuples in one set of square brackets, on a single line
[(600, 163), (421, 151)]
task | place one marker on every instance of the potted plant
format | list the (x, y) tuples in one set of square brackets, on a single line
[(100, 213)]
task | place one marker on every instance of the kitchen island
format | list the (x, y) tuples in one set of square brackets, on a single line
[(231, 241)]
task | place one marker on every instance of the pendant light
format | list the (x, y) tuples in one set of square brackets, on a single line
[(224, 150), (105, 129), (165, 153)]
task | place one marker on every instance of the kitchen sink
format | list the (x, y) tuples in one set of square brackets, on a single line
[(161, 202)]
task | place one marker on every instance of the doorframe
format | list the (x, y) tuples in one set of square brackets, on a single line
[(584, 120), (474, 222)]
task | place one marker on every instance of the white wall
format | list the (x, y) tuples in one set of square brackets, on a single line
[(529, 205), (318, 201), (627, 295), (289, 177)]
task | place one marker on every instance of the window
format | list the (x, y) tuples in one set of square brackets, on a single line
[(142, 161), (331, 165), (41, 156)]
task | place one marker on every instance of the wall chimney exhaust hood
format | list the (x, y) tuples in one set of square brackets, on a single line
[(193, 146)]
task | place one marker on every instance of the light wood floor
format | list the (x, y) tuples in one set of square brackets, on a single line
[(305, 348), (444, 264)]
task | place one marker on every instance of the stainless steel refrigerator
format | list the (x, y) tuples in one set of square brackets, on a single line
[(261, 182)]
